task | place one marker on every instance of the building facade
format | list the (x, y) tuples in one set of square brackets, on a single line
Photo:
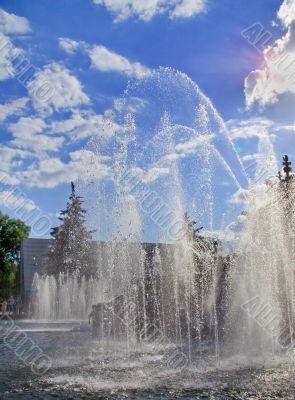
[(33, 252)]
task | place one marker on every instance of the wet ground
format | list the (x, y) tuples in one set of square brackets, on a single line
[(83, 368)]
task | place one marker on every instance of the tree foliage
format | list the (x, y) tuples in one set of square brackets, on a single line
[(200, 243), (71, 249), (12, 231)]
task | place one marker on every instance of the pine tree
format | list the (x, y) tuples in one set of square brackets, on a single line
[(200, 243), (71, 251), (191, 231)]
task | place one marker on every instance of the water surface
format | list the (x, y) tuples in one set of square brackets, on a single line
[(83, 368)]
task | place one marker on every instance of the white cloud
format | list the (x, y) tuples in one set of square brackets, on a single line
[(163, 166), (251, 157), (12, 200), (187, 148), (84, 125), (251, 128), (256, 196), (190, 146), (55, 89), (188, 8), (148, 9), (12, 108), (26, 125), (234, 229), (241, 196), (46, 173), (155, 173), (264, 86), (11, 23), (51, 172), (38, 142), (286, 12), (105, 60), (7, 53), (150, 175), (89, 166), (260, 162), (27, 133), (11, 158), (287, 128), (68, 45), (133, 105), (260, 128)]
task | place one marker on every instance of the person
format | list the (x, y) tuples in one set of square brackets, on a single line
[(99, 320), (4, 307), (96, 317), (18, 303), (10, 305), (92, 318)]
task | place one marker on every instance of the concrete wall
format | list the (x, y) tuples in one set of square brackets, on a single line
[(32, 253)]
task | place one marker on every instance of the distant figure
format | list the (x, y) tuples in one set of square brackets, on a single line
[(10, 305), (18, 304), (96, 317), (93, 320), (92, 314), (99, 318), (4, 307)]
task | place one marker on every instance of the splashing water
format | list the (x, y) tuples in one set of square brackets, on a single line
[(170, 153), (262, 310)]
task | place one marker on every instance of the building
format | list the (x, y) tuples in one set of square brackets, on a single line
[(33, 252)]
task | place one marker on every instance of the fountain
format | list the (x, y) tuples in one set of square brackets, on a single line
[(170, 153), (264, 276)]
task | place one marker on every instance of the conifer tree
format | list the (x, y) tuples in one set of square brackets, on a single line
[(200, 243), (71, 251)]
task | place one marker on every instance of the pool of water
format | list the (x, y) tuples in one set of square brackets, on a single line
[(84, 368)]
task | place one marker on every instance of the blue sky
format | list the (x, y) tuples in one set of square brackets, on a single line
[(88, 50)]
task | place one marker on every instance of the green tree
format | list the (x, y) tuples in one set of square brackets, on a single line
[(12, 231), (190, 228), (200, 243), (71, 250)]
